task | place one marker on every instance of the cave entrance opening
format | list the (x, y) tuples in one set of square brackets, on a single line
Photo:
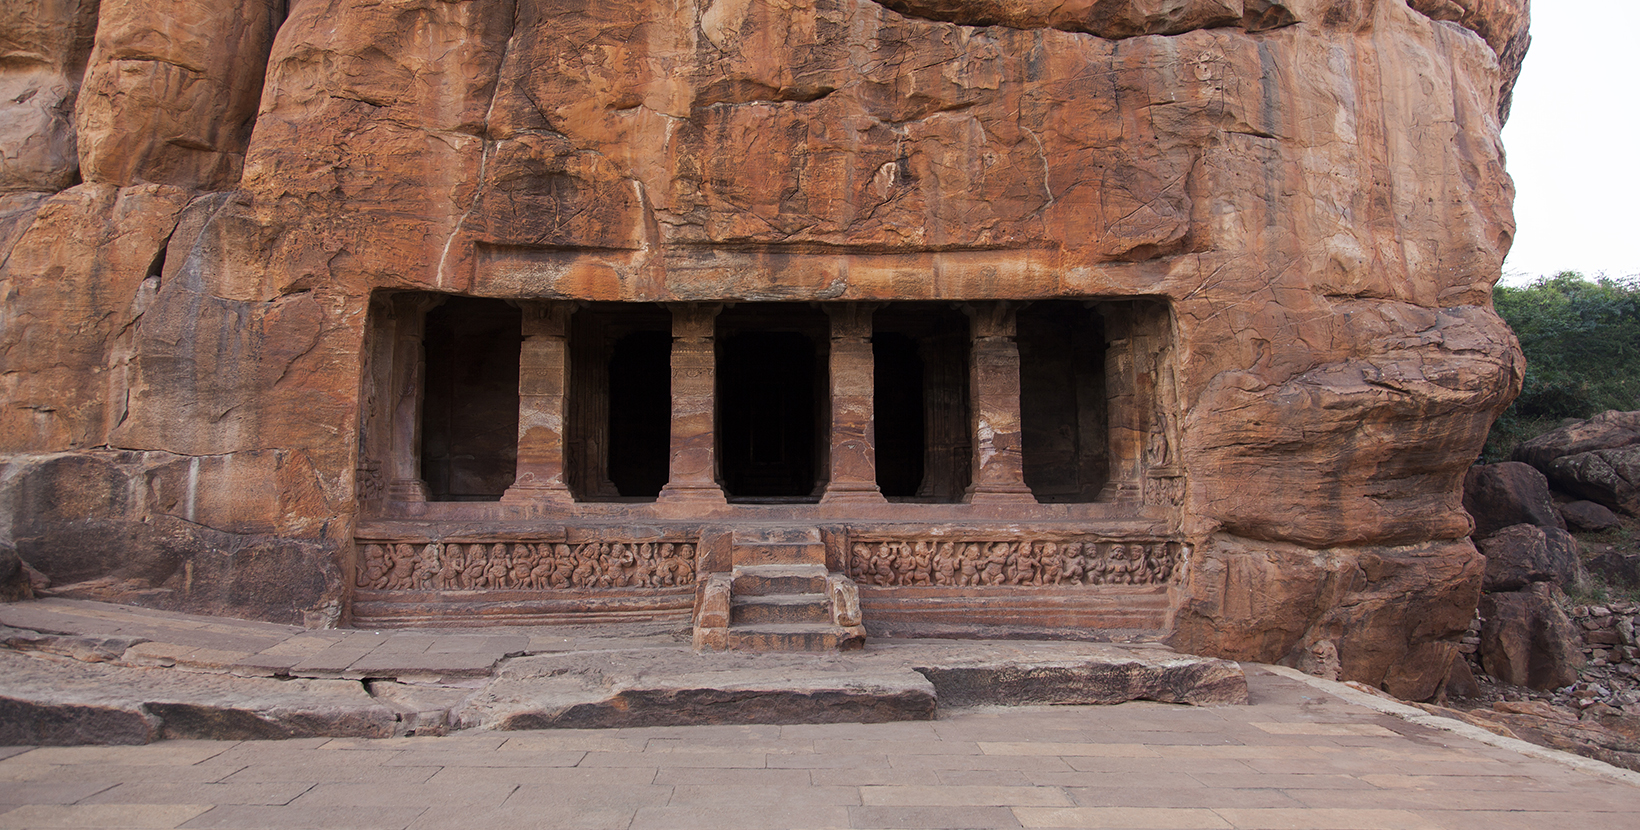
[(469, 424), (1064, 401), (618, 406), (920, 352), (772, 390)]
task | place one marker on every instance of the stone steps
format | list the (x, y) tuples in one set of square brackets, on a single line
[(778, 597), (811, 609), (794, 637), (761, 580)]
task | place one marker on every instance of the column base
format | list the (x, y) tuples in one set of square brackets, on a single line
[(537, 494), (691, 494), (407, 489), (853, 493), (1000, 494)]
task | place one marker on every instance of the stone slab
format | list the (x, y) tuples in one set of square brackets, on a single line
[(58, 702), (904, 681), (661, 688), (165, 689)]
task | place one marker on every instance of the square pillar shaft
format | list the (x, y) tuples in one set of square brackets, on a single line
[(692, 468), (543, 377), (999, 468), (853, 371), (409, 393)]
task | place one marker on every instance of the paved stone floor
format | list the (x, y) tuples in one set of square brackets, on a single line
[(1298, 757)]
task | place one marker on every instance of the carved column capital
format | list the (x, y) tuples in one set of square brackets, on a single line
[(694, 320), (851, 321), (992, 318), (546, 318)]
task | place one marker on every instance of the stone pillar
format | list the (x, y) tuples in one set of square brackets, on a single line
[(853, 457), (999, 469), (1127, 407), (692, 470), (543, 377), (404, 482), (946, 418)]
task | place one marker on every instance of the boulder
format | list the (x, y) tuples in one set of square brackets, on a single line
[(1608, 430), (1460, 680), (1610, 477), (14, 576), (1588, 516), (1522, 554), (1527, 640), (1394, 616), (1619, 570), (1510, 493)]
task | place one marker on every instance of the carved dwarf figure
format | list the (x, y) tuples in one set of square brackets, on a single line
[(563, 566), (992, 573), (402, 574), (905, 564), (373, 570), (1074, 565), (971, 564), (685, 567), (1053, 565), (521, 565), (449, 573), (945, 564), (495, 573), (922, 558)]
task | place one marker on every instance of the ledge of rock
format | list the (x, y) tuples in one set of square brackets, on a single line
[(886, 682), (56, 702)]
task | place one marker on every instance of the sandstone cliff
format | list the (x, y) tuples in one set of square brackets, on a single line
[(197, 198)]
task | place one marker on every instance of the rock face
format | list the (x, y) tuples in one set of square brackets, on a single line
[(203, 226)]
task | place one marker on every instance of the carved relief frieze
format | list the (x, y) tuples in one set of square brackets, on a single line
[(476, 566), (1022, 562), (1164, 491)]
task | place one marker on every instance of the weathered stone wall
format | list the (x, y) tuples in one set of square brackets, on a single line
[(1316, 186)]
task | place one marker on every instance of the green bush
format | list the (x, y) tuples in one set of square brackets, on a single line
[(1582, 345)]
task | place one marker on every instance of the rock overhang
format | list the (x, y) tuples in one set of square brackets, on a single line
[(1319, 201)]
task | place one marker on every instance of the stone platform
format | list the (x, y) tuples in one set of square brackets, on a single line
[(86, 672), (1305, 753)]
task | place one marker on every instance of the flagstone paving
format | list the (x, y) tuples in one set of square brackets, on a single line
[(1299, 756)]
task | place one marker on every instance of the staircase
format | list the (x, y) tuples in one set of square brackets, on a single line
[(778, 597)]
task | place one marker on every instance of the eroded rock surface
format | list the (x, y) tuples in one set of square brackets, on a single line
[(198, 198)]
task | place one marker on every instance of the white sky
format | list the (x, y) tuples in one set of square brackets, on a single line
[(1573, 143)]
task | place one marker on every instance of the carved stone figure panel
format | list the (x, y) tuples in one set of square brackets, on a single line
[(524, 565), (973, 562)]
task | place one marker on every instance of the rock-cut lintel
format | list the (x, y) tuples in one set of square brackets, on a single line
[(1109, 19)]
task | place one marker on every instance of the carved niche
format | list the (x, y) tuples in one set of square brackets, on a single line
[(1015, 562), (540, 566)]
